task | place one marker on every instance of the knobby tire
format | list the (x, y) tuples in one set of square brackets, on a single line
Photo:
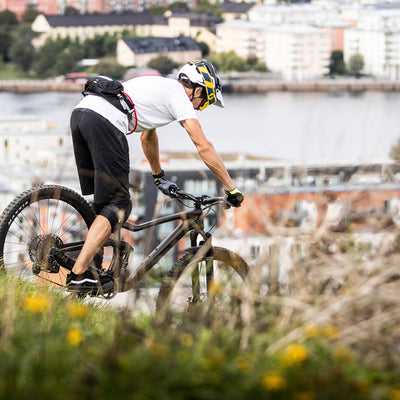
[(225, 261), (35, 221)]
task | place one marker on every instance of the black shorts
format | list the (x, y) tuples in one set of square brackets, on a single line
[(101, 155)]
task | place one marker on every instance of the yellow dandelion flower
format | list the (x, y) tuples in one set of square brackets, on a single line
[(217, 356), (312, 331), (198, 378), (242, 365), (78, 311), (273, 381), (294, 354), (156, 349), (206, 364), (215, 288), (330, 331), (362, 386), (394, 394), (37, 303), (186, 339), (74, 337), (342, 354), (307, 395)]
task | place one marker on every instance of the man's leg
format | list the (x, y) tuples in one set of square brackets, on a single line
[(97, 235), (109, 155)]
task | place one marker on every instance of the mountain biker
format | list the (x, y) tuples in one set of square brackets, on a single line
[(102, 154)]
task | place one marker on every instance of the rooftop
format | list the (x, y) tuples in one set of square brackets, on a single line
[(96, 19), (155, 45)]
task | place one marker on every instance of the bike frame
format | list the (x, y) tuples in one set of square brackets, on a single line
[(192, 220)]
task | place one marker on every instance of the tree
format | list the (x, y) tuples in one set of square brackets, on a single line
[(205, 48), (6, 41), (30, 14), (178, 5), (8, 21), (337, 65), (7, 17), (163, 64), (66, 62), (205, 6), (229, 61), (110, 67), (157, 11), (255, 65), (22, 51), (69, 10), (46, 57), (356, 64), (100, 46)]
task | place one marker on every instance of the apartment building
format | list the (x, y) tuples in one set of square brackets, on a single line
[(376, 37), (18, 7), (296, 51), (53, 7), (307, 14)]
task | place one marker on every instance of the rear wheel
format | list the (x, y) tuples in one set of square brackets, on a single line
[(194, 282), (37, 221)]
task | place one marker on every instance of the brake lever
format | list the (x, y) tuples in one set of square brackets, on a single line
[(173, 191)]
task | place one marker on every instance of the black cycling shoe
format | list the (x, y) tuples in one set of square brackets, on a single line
[(89, 282)]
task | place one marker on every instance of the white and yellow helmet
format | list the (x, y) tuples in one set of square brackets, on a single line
[(203, 73)]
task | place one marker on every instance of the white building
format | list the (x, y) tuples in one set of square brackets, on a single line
[(298, 52), (377, 38), (304, 14), (32, 151)]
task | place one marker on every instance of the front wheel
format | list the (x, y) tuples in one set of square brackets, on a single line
[(34, 224), (196, 281)]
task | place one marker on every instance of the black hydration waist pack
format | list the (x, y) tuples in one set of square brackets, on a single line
[(113, 91)]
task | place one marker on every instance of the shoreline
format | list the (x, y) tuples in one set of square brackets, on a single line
[(245, 85)]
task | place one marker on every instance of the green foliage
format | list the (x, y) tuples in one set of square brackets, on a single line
[(50, 58), (163, 64), (178, 5), (205, 6), (8, 72), (337, 65), (30, 14), (8, 18), (356, 64), (109, 67), (69, 10), (6, 40), (22, 52), (61, 55), (205, 48), (157, 10), (100, 46), (53, 346), (229, 61)]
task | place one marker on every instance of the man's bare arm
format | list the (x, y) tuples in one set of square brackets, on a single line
[(149, 140), (207, 152)]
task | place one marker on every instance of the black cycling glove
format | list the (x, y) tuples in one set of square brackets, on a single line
[(164, 184), (234, 197)]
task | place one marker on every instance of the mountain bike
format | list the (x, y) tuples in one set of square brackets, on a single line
[(43, 230)]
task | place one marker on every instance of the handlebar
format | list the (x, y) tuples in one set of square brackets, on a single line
[(203, 200)]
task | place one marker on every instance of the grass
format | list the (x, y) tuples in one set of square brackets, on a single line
[(9, 72), (333, 334)]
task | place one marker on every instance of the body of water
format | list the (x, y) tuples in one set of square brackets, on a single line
[(297, 127)]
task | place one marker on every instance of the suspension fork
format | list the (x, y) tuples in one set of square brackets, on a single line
[(196, 284)]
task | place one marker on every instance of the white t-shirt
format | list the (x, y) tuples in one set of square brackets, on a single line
[(158, 102)]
